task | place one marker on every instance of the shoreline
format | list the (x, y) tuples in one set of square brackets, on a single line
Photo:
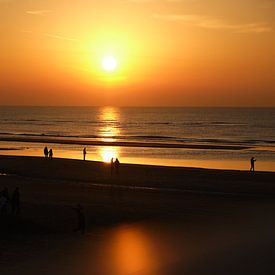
[(122, 144), (98, 153)]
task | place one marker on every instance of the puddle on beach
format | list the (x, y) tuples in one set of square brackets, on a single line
[(138, 250), (154, 249), (128, 250), (165, 249)]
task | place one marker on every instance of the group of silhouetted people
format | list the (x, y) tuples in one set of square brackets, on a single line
[(48, 153), (114, 163), (9, 205)]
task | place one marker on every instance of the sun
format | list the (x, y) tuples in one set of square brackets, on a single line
[(109, 63)]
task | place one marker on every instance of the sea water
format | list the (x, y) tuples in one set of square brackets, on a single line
[(251, 128)]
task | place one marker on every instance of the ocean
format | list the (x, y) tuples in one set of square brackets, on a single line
[(223, 138)]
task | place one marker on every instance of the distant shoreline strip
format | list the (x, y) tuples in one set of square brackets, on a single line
[(122, 144)]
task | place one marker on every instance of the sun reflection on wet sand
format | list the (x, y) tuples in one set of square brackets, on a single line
[(130, 250), (107, 153)]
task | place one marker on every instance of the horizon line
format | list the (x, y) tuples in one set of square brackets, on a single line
[(139, 106)]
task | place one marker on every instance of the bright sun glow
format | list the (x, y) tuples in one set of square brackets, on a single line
[(109, 63), (107, 153)]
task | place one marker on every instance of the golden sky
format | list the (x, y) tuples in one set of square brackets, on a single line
[(168, 53)]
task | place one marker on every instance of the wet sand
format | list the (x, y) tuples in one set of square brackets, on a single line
[(146, 220)]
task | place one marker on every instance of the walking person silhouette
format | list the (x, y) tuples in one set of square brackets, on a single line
[(116, 164), (51, 154), (84, 153), (252, 164), (112, 165), (46, 152)]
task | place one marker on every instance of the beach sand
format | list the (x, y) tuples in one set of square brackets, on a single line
[(145, 220)]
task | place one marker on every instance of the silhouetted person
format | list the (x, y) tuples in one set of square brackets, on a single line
[(15, 201), (46, 152), (84, 153), (252, 164), (116, 163), (112, 166), (81, 222), (51, 153)]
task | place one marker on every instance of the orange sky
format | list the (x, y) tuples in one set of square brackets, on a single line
[(169, 52)]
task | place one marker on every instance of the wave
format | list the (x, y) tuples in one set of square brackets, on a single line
[(113, 121), (211, 123), (152, 137), (31, 122), (77, 141), (159, 123), (147, 138), (26, 123), (225, 123)]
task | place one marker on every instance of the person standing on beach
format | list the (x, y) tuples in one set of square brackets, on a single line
[(46, 152), (51, 153), (112, 166), (84, 153), (252, 164), (81, 221), (117, 166)]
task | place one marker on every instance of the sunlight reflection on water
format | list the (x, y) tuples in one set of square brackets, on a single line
[(109, 117)]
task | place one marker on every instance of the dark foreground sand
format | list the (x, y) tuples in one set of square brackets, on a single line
[(146, 220)]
